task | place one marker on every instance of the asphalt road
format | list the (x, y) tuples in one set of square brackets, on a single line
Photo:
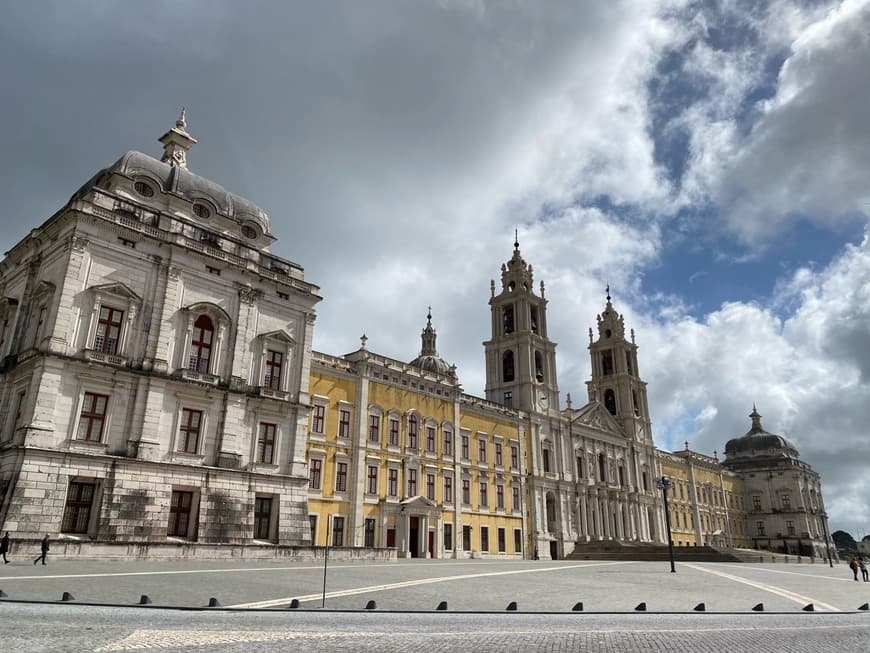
[(476, 591)]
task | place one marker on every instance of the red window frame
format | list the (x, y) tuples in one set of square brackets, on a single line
[(189, 430), (465, 447), (481, 451), (180, 507), (262, 517), (318, 414), (315, 468), (394, 432), (498, 454), (274, 364), (499, 496), (447, 449), (448, 489), (373, 479), (412, 482), (430, 487), (484, 495), (515, 456), (93, 417), (374, 428), (344, 423), (466, 491), (341, 477), (77, 511), (515, 499), (108, 335), (393, 482), (266, 443), (430, 439), (201, 344), (412, 432)]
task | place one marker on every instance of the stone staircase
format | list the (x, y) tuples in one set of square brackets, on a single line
[(614, 550)]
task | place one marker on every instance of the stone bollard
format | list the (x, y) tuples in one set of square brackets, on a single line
[(294, 604), (67, 597), (2, 594), (809, 607), (371, 605), (144, 599), (578, 607), (758, 607), (214, 603), (512, 606), (700, 608), (865, 606), (442, 605), (641, 607)]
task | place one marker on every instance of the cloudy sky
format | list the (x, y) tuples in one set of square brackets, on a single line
[(709, 160)]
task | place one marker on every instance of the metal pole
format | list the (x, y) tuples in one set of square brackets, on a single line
[(827, 540), (325, 559), (664, 484)]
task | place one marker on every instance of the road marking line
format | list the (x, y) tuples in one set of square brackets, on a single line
[(791, 596), (749, 567), (411, 583)]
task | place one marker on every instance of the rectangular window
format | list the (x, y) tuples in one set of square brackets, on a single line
[(315, 466), (394, 432), (466, 538), (546, 456), (337, 531), (466, 491), (79, 501), (481, 452), (515, 498), (262, 517), (373, 479), (272, 377), (508, 399), (412, 482), (344, 423), (188, 432), (786, 501), (393, 482), (518, 541), (502, 540), (369, 532), (499, 496), (448, 489), (374, 428), (465, 447), (108, 335), (93, 417), (498, 454), (484, 538), (179, 513), (430, 439), (756, 503), (484, 504), (19, 409), (447, 449), (789, 526), (430, 487), (515, 457), (266, 443), (318, 412), (448, 537), (341, 477), (759, 526), (412, 432)]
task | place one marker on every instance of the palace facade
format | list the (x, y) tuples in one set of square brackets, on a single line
[(158, 386)]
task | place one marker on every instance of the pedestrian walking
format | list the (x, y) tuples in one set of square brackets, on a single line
[(863, 567), (44, 548), (4, 547), (853, 565)]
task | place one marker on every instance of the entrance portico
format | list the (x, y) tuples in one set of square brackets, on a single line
[(418, 522)]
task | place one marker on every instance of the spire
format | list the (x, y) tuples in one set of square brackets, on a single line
[(176, 142), (756, 420), (516, 239), (428, 337)]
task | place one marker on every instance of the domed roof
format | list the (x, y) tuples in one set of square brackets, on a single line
[(173, 177), (757, 439), (429, 359)]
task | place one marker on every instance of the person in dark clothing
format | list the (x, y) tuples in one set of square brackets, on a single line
[(4, 547), (863, 567), (44, 550), (853, 565)]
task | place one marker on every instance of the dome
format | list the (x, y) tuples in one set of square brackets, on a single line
[(757, 439), (183, 183), (429, 360)]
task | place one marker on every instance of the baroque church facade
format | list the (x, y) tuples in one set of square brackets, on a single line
[(158, 386)]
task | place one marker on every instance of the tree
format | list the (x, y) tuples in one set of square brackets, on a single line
[(844, 542)]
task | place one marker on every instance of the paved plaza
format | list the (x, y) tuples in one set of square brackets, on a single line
[(477, 593)]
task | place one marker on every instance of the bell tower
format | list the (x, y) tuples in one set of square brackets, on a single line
[(520, 358), (616, 381)]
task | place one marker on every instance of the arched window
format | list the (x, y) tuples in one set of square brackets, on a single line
[(539, 366), (610, 401), (607, 362), (508, 319), (507, 366), (201, 344), (533, 318), (602, 468)]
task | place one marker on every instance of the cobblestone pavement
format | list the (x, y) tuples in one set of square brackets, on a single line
[(72, 628), (545, 592)]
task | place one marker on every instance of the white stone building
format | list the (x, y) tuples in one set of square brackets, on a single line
[(154, 385), (783, 494)]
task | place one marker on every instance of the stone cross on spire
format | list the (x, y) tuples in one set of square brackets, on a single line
[(176, 143)]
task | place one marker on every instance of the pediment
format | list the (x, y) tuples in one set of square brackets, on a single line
[(595, 416), (418, 501), (116, 289), (279, 335), (209, 307)]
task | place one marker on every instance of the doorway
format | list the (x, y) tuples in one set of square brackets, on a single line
[(414, 536), (554, 549)]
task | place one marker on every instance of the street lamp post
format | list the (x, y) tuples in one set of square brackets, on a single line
[(664, 484), (827, 540)]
